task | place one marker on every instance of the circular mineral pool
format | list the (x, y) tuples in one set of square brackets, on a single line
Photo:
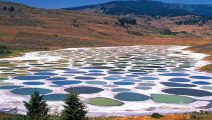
[(120, 90), (174, 74), (33, 83), (103, 67), (29, 91), (84, 78), (207, 87), (143, 88), (189, 92), (173, 99), (110, 86), (85, 90), (146, 84), (55, 97), (130, 96), (115, 73), (57, 78), (132, 75), (67, 82), (94, 74), (75, 72), (201, 83), (96, 82), (10, 87), (123, 83), (6, 84), (148, 78), (172, 84), (101, 101), (45, 73), (31, 77), (201, 77), (113, 78), (179, 80), (96, 71)]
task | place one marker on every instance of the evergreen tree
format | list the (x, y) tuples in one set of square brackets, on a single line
[(36, 107), (74, 109), (4, 8), (12, 9)]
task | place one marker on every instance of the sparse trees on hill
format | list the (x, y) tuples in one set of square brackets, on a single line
[(10, 9), (127, 20)]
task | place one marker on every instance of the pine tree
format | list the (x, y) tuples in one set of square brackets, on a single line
[(74, 109), (36, 107)]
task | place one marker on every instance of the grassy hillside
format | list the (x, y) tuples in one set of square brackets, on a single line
[(23, 28)]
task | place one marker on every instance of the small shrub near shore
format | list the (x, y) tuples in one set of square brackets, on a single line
[(156, 115)]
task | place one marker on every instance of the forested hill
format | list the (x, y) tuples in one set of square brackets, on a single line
[(149, 8)]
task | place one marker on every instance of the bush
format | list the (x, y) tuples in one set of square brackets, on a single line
[(156, 115), (127, 20), (74, 109), (36, 107), (4, 8), (14, 118), (4, 49), (11, 9), (166, 31)]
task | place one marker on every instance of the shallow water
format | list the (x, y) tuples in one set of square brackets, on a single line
[(138, 77)]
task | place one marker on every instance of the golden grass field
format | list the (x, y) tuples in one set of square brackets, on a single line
[(31, 29)]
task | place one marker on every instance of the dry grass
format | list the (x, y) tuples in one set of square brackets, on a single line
[(34, 29)]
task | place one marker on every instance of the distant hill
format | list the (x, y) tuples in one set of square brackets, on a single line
[(149, 8)]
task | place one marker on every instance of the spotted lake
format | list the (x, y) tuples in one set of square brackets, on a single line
[(110, 80)]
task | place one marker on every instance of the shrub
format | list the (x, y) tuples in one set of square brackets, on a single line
[(4, 49), (11, 9), (74, 109), (156, 115), (36, 107), (166, 31), (4, 8), (127, 20)]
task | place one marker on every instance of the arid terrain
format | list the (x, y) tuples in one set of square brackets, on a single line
[(24, 29)]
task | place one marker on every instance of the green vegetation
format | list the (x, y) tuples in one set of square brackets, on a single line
[(138, 7), (156, 115), (74, 109), (4, 50), (202, 115), (100, 101), (207, 68), (175, 99), (126, 21), (36, 107), (193, 21), (166, 31)]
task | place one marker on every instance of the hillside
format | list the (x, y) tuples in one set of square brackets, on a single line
[(37, 29), (27, 29), (41, 29), (149, 8)]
